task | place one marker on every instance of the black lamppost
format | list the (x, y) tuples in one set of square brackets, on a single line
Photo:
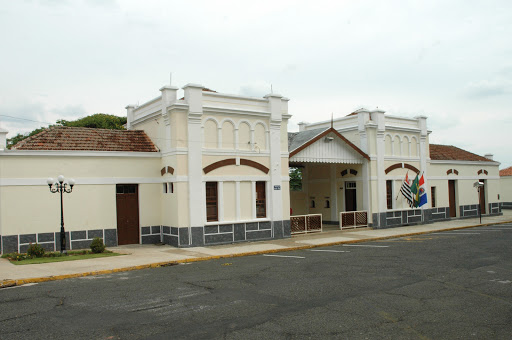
[(61, 186), (479, 186)]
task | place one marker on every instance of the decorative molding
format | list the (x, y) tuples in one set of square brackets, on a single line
[(168, 169), (479, 172), (77, 153), (451, 162), (401, 166), (245, 113), (452, 171), (323, 134), (254, 164), (347, 171), (4, 182), (233, 161), (219, 164)]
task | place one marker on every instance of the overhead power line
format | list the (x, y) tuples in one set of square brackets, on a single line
[(29, 120)]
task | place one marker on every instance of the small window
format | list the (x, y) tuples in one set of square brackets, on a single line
[(312, 205), (350, 185), (389, 194), (211, 202), (168, 188), (327, 204), (126, 188), (261, 201), (433, 196)]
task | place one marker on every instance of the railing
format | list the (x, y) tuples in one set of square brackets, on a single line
[(353, 219), (306, 223)]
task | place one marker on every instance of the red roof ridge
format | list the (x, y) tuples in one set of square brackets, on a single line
[(88, 139), (450, 152), (506, 171)]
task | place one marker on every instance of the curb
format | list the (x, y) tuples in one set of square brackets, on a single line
[(19, 282)]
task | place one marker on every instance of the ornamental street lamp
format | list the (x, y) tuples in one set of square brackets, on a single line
[(479, 187), (61, 185)]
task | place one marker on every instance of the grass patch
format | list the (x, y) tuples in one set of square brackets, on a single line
[(22, 259)]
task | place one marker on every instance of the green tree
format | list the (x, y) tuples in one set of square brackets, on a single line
[(19, 137), (295, 179), (98, 121)]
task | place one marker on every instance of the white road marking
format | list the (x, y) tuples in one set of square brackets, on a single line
[(488, 229), (444, 233), (295, 257), (331, 251), (25, 285), (363, 245), (479, 229)]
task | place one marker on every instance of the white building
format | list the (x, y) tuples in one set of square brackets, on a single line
[(361, 161), (213, 168)]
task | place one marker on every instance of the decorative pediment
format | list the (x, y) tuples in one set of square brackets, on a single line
[(329, 149)]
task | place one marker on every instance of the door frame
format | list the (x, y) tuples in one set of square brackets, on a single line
[(136, 194), (452, 197), (346, 193)]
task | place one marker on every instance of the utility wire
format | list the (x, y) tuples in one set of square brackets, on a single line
[(29, 120)]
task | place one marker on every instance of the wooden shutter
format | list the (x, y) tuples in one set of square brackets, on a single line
[(261, 200), (211, 202), (389, 194)]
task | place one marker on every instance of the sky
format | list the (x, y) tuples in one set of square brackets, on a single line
[(449, 60)]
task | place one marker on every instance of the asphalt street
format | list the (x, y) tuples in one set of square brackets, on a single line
[(446, 285)]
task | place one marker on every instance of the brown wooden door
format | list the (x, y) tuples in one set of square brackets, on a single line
[(127, 202), (350, 196), (451, 198), (482, 198)]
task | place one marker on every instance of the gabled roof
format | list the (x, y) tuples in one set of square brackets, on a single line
[(452, 153), (88, 139), (301, 140), (506, 171)]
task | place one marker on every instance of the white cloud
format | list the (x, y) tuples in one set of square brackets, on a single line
[(406, 57), (488, 88)]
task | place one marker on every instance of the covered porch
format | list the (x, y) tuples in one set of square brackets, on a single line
[(328, 176)]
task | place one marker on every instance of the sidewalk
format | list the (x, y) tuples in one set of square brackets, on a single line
[(148, 256)]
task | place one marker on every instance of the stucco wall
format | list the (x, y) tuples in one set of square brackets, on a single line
[(34, 209), (27, 206), (506, 188)]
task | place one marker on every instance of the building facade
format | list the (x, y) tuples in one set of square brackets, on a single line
[(360, 161), (205, 169), (213, 168), (506, 188)]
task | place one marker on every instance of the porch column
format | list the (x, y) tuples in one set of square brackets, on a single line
[(274, 101), (381, 176), (334, 194), (366, 187)]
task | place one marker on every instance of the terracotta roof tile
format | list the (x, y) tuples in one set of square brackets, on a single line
[(88, 139), (453, 153), (506, 171)]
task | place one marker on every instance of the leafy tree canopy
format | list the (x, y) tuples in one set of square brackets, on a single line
[(98, 120), (295, 179)]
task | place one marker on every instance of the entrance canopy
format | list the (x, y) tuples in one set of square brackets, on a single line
[(325, 145)]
